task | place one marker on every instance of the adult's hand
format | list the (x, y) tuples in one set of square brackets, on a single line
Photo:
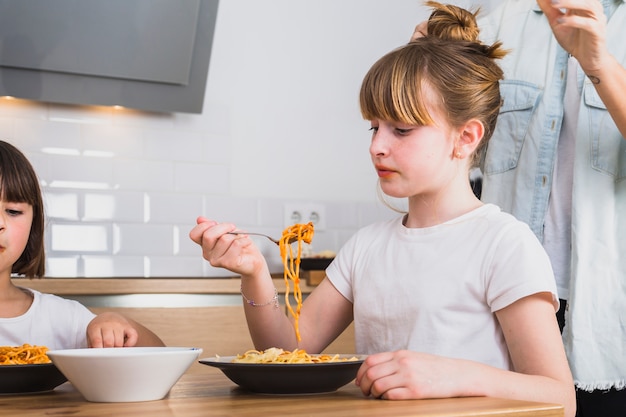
[(580, 27), (420, 31)]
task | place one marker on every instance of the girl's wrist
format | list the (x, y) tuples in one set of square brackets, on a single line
[(270, 302)]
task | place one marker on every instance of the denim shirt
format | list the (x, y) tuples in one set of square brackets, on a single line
[(517, 175)]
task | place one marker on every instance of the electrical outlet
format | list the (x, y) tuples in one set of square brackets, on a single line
[(304, 213)]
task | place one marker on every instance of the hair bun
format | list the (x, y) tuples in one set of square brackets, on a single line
[(451, 22)]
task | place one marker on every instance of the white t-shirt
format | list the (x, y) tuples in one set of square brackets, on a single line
[(51, 321), (557, 231), (436, 289)]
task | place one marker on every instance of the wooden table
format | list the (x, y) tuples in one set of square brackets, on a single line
[(212, 394)]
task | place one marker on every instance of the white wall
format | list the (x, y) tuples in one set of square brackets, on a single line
[(280, 124)]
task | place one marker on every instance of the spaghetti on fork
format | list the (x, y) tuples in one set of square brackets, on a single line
[(297, 233)]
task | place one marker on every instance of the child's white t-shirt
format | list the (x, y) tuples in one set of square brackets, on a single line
[(436, 289), (51, 321)]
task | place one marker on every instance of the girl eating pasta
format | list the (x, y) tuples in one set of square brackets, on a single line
[(31, 319), (453, 298)]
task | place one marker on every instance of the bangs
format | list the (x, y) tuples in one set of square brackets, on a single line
[(18, 182), (389, 90)]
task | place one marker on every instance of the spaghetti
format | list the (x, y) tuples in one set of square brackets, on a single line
[(277, 355), (23, 355), (297, 233)]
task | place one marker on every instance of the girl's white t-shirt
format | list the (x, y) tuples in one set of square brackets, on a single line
[(51, 321), (436, 289)]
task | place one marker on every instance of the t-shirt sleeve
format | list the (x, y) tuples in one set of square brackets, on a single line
[(519, 267), (83, 317), (70, 320), (339, 272)]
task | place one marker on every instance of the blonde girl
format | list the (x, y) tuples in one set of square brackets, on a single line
[(454, 298)]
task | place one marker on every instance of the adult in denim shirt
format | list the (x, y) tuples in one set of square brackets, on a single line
[(557, 161)]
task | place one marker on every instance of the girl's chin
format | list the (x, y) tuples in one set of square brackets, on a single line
[(394, 190), (394, 193)]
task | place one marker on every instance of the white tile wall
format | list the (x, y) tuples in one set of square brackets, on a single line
[(122, 190), (81, 237)]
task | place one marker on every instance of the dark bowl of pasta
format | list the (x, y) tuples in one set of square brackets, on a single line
[(27, 369), (289, 378), (31, 378)]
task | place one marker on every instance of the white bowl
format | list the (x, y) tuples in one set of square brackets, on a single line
[(124, 374)]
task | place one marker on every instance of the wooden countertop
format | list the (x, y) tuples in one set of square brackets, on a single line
[(113, 286), (212, 394)]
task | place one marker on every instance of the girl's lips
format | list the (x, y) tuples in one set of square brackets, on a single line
[(383, 171)]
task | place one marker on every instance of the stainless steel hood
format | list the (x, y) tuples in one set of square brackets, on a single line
[(144, 54)]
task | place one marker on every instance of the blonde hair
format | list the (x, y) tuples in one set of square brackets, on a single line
[(452, 62)]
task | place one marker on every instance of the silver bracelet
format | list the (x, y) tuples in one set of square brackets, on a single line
[(272, 301)]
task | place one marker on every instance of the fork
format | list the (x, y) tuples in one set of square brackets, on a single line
[(255, 234)]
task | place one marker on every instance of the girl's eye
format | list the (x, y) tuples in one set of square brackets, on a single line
[(13, 212), (15, 209), (373, 129), (403, 132)]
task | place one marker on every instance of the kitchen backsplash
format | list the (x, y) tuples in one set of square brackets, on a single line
[(122, 190), (280, 125)]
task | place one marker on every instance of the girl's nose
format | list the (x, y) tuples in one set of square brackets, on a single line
[(378, 146)]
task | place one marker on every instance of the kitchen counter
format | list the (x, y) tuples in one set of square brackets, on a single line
[(111, 286), (148, 292)]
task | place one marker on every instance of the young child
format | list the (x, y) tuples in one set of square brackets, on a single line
[(455, 298), (28, 316)]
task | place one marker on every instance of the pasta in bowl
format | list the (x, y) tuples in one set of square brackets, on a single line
[(275, 371), (27, 369), (280, 356)]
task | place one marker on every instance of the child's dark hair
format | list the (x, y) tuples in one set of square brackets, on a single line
[(19, 184), (451, 60)]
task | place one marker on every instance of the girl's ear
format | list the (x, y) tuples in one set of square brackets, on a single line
[(470, 135)]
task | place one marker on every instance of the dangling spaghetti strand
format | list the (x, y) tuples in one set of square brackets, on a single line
[(297, 233)]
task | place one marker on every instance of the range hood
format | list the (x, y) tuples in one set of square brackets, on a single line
[(149, 55)]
